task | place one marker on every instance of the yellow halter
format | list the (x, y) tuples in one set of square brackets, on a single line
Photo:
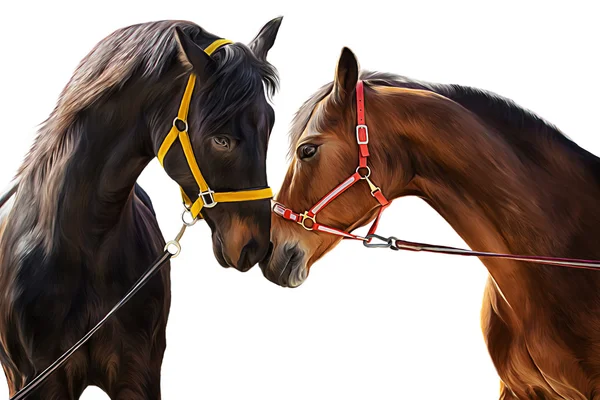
[(207, 197)]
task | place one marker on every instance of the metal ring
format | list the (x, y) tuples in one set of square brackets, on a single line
[(184, 121), (305, 217), (177, 246), (368, 172), (186, 223)]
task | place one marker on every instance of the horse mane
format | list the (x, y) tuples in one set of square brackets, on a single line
[(144, 51), (490, 107)]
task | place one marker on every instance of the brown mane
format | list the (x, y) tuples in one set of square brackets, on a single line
[(491, 107)]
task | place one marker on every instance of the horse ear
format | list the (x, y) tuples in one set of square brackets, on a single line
[(191, 54), (346, 75), (263, 42)]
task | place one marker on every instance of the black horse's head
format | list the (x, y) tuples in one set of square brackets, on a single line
[(230, 121)]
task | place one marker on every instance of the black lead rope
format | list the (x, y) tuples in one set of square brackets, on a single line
[(38, 380)]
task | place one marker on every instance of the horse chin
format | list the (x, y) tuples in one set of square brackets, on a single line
[(219, 253), (298, 276)]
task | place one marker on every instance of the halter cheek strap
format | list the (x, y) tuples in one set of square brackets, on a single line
[(308, 219), (206, 197)]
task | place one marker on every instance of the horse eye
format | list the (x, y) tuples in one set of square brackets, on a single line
[(307, 151), (221, 141)]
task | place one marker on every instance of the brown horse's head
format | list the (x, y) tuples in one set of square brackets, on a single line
[(325, 153)]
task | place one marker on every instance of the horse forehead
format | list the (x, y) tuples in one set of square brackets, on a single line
[(313, 125)]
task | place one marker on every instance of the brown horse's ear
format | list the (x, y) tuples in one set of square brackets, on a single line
[(192, 55), (346, 75), (263, 42)]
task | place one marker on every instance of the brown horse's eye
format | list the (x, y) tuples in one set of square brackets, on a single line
[(221, 142), (307, 151)]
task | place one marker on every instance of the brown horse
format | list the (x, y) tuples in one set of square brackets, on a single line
[(76, 229), (505, 180)]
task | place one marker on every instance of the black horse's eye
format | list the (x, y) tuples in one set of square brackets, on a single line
[(221, 142), (307, 151)]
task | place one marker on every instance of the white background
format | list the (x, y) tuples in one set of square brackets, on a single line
[(367, 324)]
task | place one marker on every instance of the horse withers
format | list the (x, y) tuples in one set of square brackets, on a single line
[(503, 178), (76, 229)]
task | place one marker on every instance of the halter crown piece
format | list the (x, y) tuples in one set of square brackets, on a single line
[(308, 219), (207, 198)]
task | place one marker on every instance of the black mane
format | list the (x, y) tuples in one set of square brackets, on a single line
[(240, 77)]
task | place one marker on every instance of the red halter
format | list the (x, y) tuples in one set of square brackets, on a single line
[(308, 219)]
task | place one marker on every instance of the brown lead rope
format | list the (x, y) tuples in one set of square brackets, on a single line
[(168, 253), (398, 244)]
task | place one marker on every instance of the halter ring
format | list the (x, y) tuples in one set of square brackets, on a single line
[(305, 216), (181, 120), (169, 247), (186, 222), (368, 172)]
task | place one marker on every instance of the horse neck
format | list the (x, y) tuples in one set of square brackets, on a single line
[(536, 194), (78, 179)]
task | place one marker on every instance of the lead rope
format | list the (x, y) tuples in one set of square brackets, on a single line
[(171, 250), (394, 243)]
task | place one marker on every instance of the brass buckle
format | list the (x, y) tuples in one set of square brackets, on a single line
[(305, 216)]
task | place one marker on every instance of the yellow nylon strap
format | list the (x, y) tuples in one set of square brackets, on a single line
[(182, 114), (215, 45), (196, 207), (244, 195), (166, 145), (230, 197), (184, 139), (184, 107)]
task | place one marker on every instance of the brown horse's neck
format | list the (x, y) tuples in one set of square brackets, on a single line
[(520, 192)]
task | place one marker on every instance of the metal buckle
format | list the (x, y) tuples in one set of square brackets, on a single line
[(210, 194), (305, 216), (366, 128), (183, 121)]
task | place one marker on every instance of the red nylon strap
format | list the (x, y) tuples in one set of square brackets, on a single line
[(381, 198), (288, 214), (362, 132), (329, 197), (376, 221)]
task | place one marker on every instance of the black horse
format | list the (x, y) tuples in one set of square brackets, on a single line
[(76, 231)]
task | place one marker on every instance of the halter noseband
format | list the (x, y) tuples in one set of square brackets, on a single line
[(207, 198), (308, 219)]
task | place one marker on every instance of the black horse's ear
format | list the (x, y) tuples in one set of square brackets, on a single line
[(191, 54), (346, 75), (263, 42)]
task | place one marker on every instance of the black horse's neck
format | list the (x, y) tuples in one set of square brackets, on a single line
[(84, 175)]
